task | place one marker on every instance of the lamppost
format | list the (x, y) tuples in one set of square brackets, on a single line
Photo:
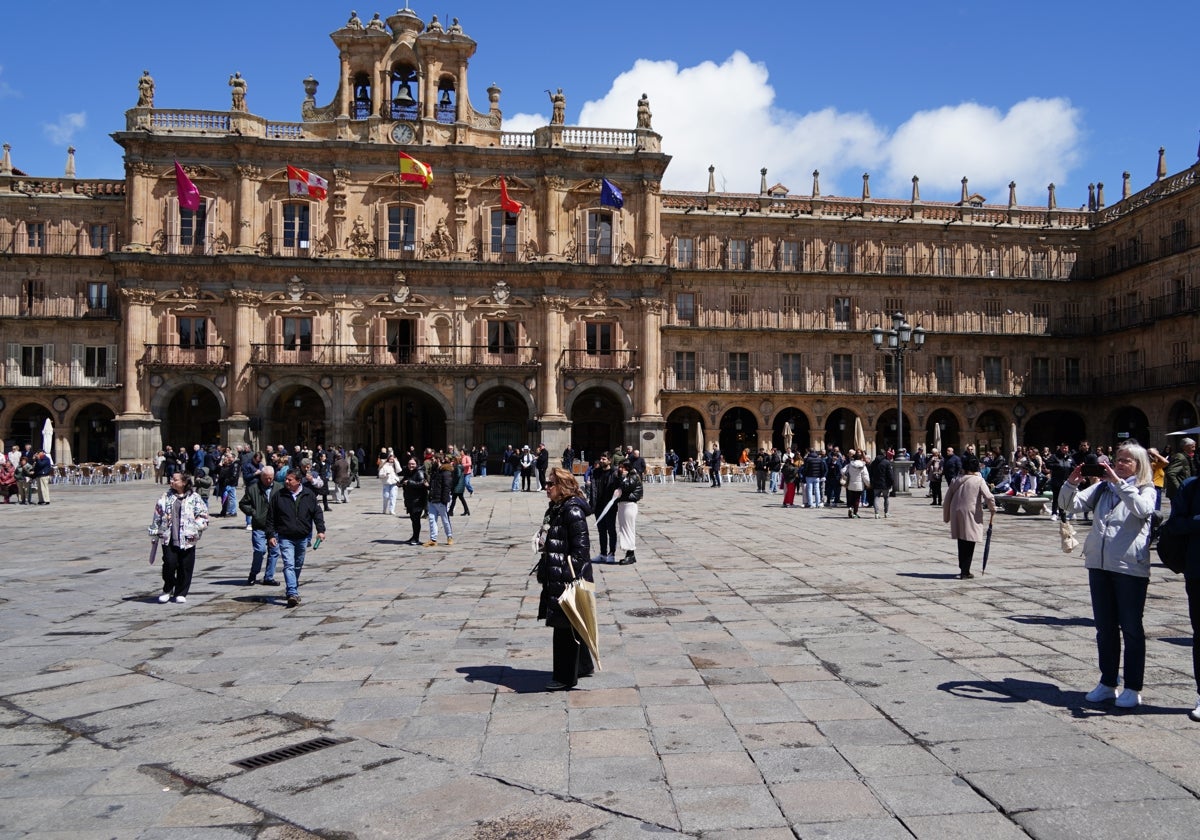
[(900, 339)]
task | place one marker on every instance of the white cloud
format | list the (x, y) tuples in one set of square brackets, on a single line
[(725, 115), (62, 132)]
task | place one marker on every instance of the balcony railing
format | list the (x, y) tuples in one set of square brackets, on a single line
[(194, 245), (65, 307), (55, 244), (385, 356), (174, 356), (587, 360), (1051, 266), (55, 375)]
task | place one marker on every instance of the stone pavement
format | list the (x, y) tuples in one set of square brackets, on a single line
[(767, 673)]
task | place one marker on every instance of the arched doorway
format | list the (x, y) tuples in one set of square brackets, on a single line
[(501, 420), (1129, 422), (1050, 428), (26, 426), (739, 431), (685, 433), (990, 431), (193, 416), (839, 430), (886, 432), (94, 435), (800, 429), (1182, 415), (402, 418), (597, 423), (297, 417), (942, 430)]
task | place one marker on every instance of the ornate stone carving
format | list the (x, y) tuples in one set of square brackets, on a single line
[(139, 296), (599, 295), (501, 292), (556, 182), (146, 90), (361, 244), (441, 243), (531, 252), (238, 92), (643, 112), (295, 287), (400, 288)]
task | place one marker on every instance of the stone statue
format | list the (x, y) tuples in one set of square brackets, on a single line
[(239, 92), (435, 25), (455, 27), (355, 22), (559, 102), (376, 23), (643, 112), (441, 244), (146, 90)]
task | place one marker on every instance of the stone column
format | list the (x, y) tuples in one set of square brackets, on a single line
[(137, 430), (554, 189), (647, 423), (138, 178), (555, 426), (245, 305), (243, 234), (651, 207)]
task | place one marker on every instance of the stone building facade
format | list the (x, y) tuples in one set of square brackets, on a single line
[(394, 314)]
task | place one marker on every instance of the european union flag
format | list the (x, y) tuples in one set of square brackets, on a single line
[(610, 196)]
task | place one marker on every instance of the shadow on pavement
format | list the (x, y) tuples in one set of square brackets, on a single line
[(1010, 690), (520, 680), (929, 575), (1053, 620)]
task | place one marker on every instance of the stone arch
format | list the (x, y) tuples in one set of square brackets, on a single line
[(609, 387), (1127, 421), (167, 391), (93, 433), (487, 386), (372, 392), (273, 391)]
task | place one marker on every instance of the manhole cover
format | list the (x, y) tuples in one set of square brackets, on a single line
[(654, 612)]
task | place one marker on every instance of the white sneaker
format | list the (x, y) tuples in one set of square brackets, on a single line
[(1101, 693), (163, 598), (179, 599), (249, 527), (1194, 714), (1129, 699)]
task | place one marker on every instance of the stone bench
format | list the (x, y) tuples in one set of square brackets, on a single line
[(1022, 504)]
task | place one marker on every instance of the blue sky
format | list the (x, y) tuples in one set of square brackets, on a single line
[(1070, 92)]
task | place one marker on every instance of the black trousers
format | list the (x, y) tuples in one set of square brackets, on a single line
[(415, 518), (935, 490), (177, 567), (459, 497), (607, 529), (966, 551), (572, 659), (1193, 593)]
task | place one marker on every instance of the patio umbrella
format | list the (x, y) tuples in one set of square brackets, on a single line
[(937, 437), (700, 441), (987, 545), (1012, 442), (48, 436), (860, 437), (1195, 430), (578, 603)]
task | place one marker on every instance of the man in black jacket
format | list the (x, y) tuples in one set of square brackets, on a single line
[(600, 493), (415, 486), (254, 504), (882, 479), (291, 516)]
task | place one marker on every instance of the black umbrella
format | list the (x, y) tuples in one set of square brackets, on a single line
[(987, 545)]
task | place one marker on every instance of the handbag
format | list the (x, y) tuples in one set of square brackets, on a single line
[(844, 480)]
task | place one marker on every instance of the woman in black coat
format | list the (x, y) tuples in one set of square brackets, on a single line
[(566, 556), (415, 486)]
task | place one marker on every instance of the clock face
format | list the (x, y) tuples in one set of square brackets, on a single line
[(403, 133)]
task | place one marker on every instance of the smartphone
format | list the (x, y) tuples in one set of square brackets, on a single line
[(1093, 470)]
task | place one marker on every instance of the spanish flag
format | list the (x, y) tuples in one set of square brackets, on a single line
[(413, 171)]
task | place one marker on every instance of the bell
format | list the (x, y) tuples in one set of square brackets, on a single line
[(404, 98), (445, 102), (363, 94)]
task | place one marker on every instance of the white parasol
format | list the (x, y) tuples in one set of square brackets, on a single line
[(788, 434), (860, 437), (937, 437), (700, 441), (48, 436), (1012, 442)]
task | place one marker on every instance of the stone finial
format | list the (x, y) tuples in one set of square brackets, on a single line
[(964, 190), (1126, 191), (69, 172), (866, 185), (762, 185), (712, 178), (816, 183), (1012, 194), (1051, 199), (1091, 197), (1100, 196), (6, 161), (1162, 163), (916, 193), (494, 97)]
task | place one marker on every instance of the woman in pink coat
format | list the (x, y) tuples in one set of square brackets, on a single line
[(963, 509)]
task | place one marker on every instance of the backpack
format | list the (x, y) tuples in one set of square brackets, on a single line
[(1172, 547)]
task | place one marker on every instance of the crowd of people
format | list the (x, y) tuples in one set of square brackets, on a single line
[(25, 473)]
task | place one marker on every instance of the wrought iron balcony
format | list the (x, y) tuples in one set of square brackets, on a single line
[(174, 357), (582, 361), (81, 243), (56, 375), (353, 356)]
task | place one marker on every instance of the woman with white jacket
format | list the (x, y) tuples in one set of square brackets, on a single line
[(857, 479), (1117, 556)]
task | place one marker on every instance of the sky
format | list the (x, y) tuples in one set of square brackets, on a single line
[(1064, 91)]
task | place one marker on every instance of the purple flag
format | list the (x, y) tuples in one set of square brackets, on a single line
[(189, 196)]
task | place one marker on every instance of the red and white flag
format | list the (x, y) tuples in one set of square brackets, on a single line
[(301, 182)]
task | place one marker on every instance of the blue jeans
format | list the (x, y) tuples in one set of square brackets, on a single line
[(516, 479), (258, 542), (1118, 602), (292, 552), (774, 482), (437, 510), (812, 492)]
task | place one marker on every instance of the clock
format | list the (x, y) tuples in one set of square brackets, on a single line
[(403, 133)]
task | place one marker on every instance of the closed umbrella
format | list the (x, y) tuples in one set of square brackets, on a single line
[(578, 603), (987, 545), (1012, 441), (860, 437), (937, 437), (788, 435), (700, 441), (48, 436)]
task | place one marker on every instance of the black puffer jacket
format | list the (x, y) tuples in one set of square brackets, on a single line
[(416, 491), (566, 536), (441, 485), (631, 488)]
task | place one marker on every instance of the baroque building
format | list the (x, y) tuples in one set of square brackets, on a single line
[(398, 313)]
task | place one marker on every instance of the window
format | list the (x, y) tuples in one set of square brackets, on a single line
[(192, 224), (685, 307), (943, 372), (790, 365), (739, 304), (991, 262), (97, 297), (992, 373), (1072, 310), (685, 366), (35, 235), (599, 236), (792, 303), (402, 228), (600, 339), (33, 360), (1041, 309), (502, 336), (991, 308), (889, 369), (789, 256), (193, 332), (295, 224), (893, 259), (401, 339), (843, 370), (1133, 361), (95, 362), (1037, 265), (504, 232), (1179, 292), (945, 260), (98, 236), (892, 304), (736, 254), (943, 308), (1179, 353), (739, 367), (33, 293), (297, 333), (841, 312), (1072, 373), (685, 252), (1179, 236), (839, 257), (1039, 371)]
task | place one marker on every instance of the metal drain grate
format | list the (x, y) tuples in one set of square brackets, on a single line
[(654, 612), (294, 751)]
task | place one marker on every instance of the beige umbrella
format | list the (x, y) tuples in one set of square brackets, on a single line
[(860, 437), (578, 603), (788, 434), (1067, 533), (700, 441), (937, 437), (1012, 442)]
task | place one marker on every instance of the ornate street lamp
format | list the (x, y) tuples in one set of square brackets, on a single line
[(900, 339)]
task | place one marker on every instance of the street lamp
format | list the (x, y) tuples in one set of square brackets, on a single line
[(900, 339)]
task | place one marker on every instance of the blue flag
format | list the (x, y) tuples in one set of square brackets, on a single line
[(610, 196)]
